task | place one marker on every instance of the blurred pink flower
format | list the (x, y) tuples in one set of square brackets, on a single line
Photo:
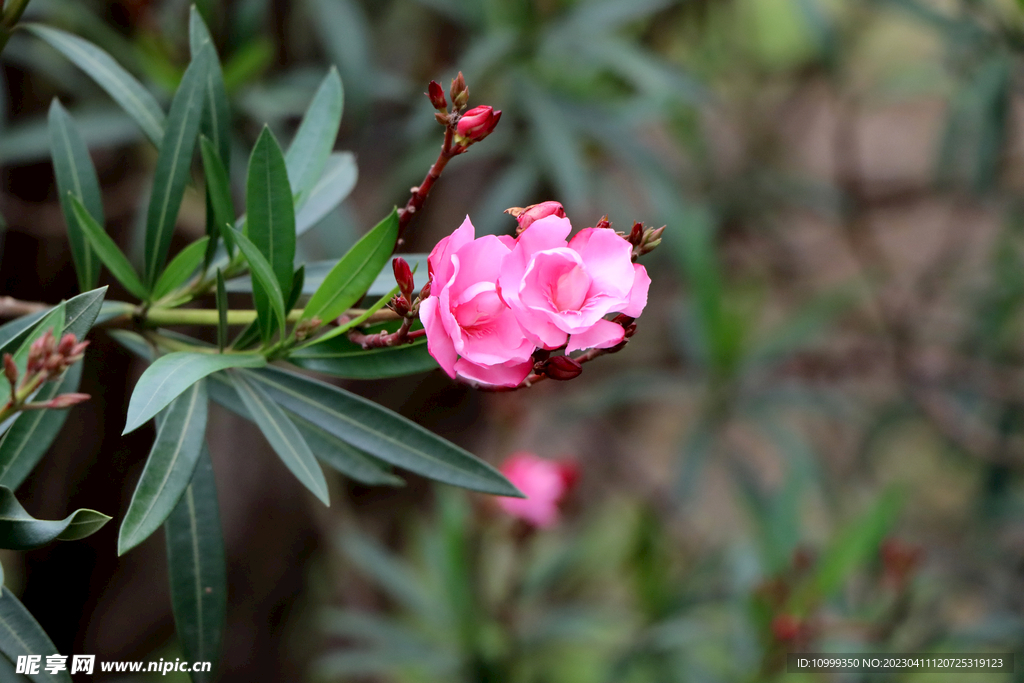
[(471, 332), (544, 483), (560, 291)]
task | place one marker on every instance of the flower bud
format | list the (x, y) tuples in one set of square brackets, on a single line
[(786, 627), (67, 400), (636, 235), (67, 342), (526, 216), (10, 369), (475, 125), (307, 327), (603, 223), (403, 276), (436, 94), (400, 305), (459, 92), (561, 368)]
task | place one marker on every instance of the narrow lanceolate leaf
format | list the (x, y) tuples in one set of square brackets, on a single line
[(170, 375), (326, 447), (348, 281), (169, 468), (218, 190), (272, 315), (343, 457), (297, 282), (380, 432), (75, 174), (133, 342), (173, 162), (307, 155), (21, 531), (181, 268), (136, 101), (216, 124), (32, 433), (222, 312), (21, 635), (82, 311), (111, 256), (336, 182), (282, 435), (12, 334), (197, 569), (270, 219), (339, 357)]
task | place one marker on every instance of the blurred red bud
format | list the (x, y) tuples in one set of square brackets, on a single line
[(67, 400), (10, 369), (786, 627), (636, 235), (436, 94), (562, 368), (476, 124), (459, 92), (603, 223), (403, 276)]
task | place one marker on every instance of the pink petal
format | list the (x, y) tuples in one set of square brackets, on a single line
[(479, 261), (439, 344), (602, 335), (608, 261), (638, 294), (440, 256), (510, 374)]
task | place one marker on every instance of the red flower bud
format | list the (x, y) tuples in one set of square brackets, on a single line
[(476, 124), (562, 368), (786, 627), (67, 400), (400, 305), (636, 235), (403, 276), (526, 216), (67, 342), (10, 369), (603, 223), (436, 94), (459, 92)]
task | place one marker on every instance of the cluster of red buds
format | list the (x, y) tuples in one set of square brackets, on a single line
[(404, 305), (47, 359), (644, 240), (467, 127)]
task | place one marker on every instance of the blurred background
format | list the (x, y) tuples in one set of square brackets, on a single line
[(814, 441)]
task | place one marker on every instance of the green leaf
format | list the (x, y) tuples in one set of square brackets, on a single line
[(216, 124), (81, 312), (112, 256), (20, 531), (170, 375), (297, 282), (334, 185), (380, 432), (21, 635), (133, 342), (108, 74), (326, 447), (181, 268), (263, 276), (308, 153), (346, 459), (169, 468), (282, 435), (355, 322), (197, 569), (32, 433), (12, 334), (218, 191), (173, 162), (348, 281), (270, 217), (222, 312), (75, 174), (340, 357), (247, 337)]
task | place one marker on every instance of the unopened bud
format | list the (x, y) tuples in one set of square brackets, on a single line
[(561, 368), (651, 240), (400, 305), (425, 292), (307, 327), (603, 223), (786, 627), (530, 214), (441, 118), (67, 400), (10, 369), (436, 94), (459, 92), (403, 276), (67, 343), (475, 125), (636, 235)]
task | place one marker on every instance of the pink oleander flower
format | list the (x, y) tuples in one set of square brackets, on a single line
[(471, 332), (544, 483), (560, 291)]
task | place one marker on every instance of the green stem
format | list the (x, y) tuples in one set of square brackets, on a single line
[(209, 316)]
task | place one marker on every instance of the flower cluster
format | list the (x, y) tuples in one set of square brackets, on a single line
[(47, 359), (496, 301)]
